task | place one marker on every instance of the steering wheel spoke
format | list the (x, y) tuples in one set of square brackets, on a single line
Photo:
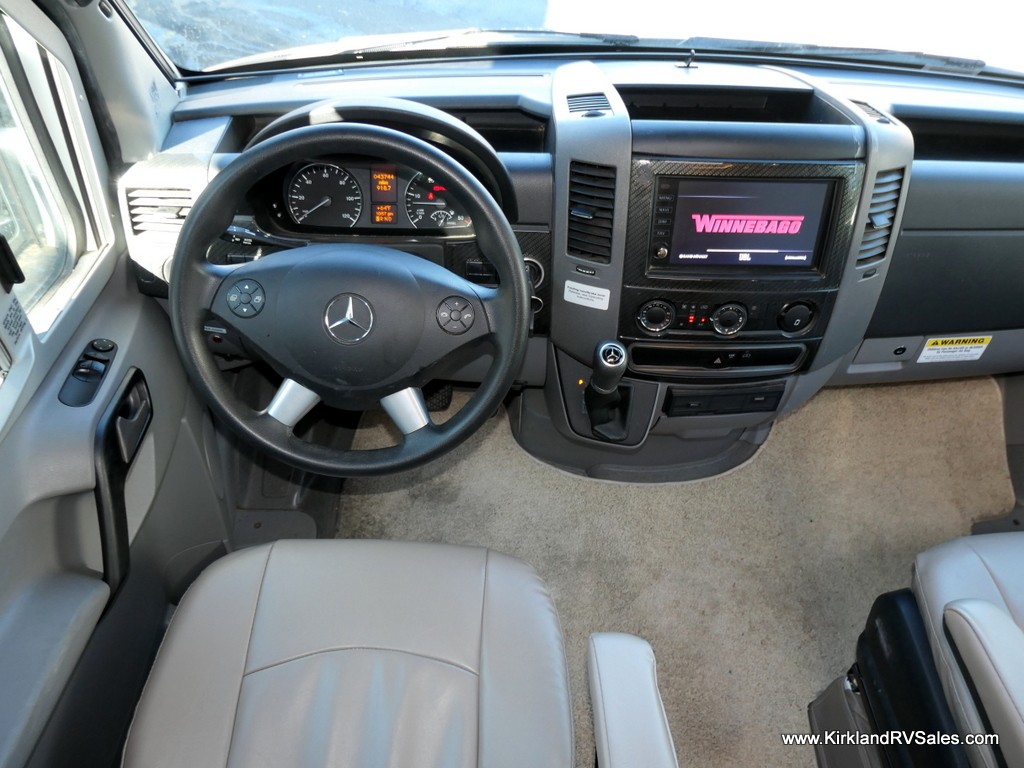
[(407, 408), (495, 305), (208, 280), (291, 403)]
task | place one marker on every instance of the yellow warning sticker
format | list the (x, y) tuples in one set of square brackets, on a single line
[(956, 349)]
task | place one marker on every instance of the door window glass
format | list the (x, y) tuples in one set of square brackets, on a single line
[(30, 218)]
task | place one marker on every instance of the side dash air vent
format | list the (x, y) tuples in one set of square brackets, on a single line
[(158, 210), (591, 211), (881, 214), (590, 102)]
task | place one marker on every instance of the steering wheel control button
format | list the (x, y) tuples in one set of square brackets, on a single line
[(348, 318), (796, 317), (246, 298), (455, 315), (728, 319)]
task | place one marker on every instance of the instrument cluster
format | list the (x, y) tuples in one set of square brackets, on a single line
[(325, 195)]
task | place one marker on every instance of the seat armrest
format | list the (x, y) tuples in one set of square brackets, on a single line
[(991, 646), (630, 726)]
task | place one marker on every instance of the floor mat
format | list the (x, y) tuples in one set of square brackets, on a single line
[(753, 586)]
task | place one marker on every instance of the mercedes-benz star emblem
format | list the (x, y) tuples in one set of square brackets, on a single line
[(348, 319)]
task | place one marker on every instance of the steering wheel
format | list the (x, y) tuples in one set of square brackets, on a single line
[(349, 325)]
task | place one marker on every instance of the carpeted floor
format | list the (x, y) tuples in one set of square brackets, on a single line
[(753, 586)]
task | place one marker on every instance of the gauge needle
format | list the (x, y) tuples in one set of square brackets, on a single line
[(321, 204)]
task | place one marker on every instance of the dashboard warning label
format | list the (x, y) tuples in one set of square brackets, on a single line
[(586, 295), (954, 350)]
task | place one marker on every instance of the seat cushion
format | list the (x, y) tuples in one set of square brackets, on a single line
[(986, 568), (358, 653)]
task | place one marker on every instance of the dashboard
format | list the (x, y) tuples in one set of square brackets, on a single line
[(749, 232)]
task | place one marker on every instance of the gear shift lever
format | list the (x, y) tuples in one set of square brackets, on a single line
[(609, 366), (607, 404)]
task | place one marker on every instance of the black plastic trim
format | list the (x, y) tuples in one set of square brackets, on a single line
[(778, 141), (88, 373), (10, 270), (901, 683), (118, 436)]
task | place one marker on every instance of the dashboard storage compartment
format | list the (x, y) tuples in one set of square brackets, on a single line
[(688, 402)]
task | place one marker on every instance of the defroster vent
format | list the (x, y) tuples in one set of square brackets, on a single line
[(589, 102), (881, 216), (875, 114), (591, 211)]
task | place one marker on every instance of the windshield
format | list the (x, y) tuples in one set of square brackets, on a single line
[(207, 34)]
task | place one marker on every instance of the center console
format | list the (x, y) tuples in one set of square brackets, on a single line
[(729, 228), (731, 269)]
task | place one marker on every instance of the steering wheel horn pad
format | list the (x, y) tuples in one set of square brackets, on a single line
[(351, 322)]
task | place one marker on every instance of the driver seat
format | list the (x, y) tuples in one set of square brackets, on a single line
[(359, 653)]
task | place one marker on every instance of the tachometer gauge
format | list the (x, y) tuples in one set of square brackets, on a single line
[(324, 195), (430, 206)]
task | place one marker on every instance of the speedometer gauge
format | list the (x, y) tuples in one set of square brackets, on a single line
[(431, 206), (324, 195)]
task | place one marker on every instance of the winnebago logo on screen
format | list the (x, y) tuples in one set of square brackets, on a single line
[(752, 225)]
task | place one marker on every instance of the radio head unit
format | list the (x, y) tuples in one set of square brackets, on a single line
[(723, 226)]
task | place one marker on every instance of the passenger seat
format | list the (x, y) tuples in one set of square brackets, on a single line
[(971, 595)]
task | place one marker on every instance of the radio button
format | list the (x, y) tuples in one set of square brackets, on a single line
[(728, 319)]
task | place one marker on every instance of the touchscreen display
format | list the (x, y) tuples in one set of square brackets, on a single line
[(740, 222)]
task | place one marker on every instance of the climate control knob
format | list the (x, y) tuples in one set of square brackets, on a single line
[(655, 316), (729, 319)]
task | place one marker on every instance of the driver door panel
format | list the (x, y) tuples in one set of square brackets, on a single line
[(103, 612), (86, 574)]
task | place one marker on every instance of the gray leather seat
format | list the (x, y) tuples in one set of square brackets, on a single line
[(359, 653), (971, 594)]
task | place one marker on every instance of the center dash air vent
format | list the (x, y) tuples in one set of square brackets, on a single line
[(590, 102), (881, 214), (158, 210), (591, 211)]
